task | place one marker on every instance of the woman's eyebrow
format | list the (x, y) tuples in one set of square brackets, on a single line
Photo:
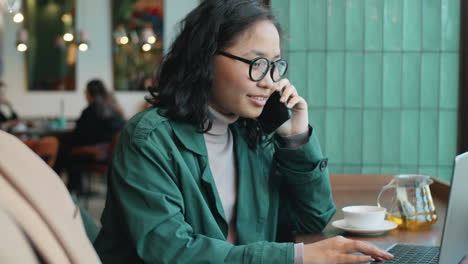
[(261, 54)]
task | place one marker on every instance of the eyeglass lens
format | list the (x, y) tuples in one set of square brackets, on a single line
[(260, 66)]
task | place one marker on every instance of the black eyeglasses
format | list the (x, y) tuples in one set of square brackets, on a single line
[(259, 67)]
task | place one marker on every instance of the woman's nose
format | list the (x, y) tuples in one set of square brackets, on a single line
[(267, 82)]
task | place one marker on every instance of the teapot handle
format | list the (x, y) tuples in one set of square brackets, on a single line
[(386, 187)]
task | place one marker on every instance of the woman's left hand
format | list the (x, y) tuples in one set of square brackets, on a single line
[(299, 122)]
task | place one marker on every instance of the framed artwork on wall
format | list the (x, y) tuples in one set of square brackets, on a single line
[(137, 43), (48, 31)]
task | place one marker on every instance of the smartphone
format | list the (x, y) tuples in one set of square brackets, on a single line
[(274, 114)]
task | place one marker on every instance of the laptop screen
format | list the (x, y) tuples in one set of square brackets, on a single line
[(455, 235)]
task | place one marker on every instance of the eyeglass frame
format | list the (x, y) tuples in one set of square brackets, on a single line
[(271, 64)]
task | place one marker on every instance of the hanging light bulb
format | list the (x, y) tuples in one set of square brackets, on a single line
[(146, 47), (68, 37), (21, 40), (120, 35), (148, 34), (18, 18), (123, 40), (67, 18), (22, 47), (83, 43), (10, 5), (151, 39), (83, 47)]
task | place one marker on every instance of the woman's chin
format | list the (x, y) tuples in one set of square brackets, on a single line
[(253, 114)]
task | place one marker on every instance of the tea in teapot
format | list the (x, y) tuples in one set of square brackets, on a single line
[(411, 205)]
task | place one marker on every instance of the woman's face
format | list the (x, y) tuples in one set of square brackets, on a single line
[(233, 92), (89, 98)]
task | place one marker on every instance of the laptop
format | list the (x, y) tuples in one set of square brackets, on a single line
[(454, 244)]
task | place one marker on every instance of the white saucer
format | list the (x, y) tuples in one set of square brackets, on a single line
[(387, 225)]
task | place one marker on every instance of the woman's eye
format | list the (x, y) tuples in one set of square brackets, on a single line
[(259, 64)]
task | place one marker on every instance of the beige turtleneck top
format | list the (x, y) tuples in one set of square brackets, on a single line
[(220, 146)]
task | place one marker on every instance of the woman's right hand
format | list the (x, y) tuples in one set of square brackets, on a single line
[(338, 250)]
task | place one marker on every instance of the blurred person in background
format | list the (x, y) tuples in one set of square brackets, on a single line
[(97, 125), (101, 120), (7, 113)]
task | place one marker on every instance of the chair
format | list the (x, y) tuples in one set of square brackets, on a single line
[(38, 201), (46, 148), (97, 156), (94, 160)]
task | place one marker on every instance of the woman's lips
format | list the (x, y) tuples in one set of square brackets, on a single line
[(258, 100)]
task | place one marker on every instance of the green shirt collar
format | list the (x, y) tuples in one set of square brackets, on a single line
[(190, 137)]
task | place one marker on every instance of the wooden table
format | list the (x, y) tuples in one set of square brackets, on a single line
[(40, 133), (350, 189), (37, 128)]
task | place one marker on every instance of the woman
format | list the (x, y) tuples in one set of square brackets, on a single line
[(101, 120), (97, 125), (194, 180)]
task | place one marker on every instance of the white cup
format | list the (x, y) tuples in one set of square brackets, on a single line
[(364, 216)]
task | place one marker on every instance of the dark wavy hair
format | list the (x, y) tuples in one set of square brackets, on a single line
[(186, 75), (104, 101)]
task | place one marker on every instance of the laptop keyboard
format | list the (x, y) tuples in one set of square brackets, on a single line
[(413, 254)]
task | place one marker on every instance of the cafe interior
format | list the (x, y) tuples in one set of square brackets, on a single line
[(383, 79)]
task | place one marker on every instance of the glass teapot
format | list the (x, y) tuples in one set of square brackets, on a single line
[(411, 205)]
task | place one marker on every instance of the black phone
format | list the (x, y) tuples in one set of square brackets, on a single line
[(274, 113)]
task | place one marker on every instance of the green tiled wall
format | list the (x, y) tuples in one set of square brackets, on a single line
[(381, 80)]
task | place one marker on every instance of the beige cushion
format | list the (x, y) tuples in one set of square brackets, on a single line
[(14, 246), (33, 194)]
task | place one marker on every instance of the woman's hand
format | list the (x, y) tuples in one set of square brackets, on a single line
[(300, 118), (338, 250)]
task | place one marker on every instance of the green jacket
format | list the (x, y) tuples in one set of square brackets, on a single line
[(163, 206)]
